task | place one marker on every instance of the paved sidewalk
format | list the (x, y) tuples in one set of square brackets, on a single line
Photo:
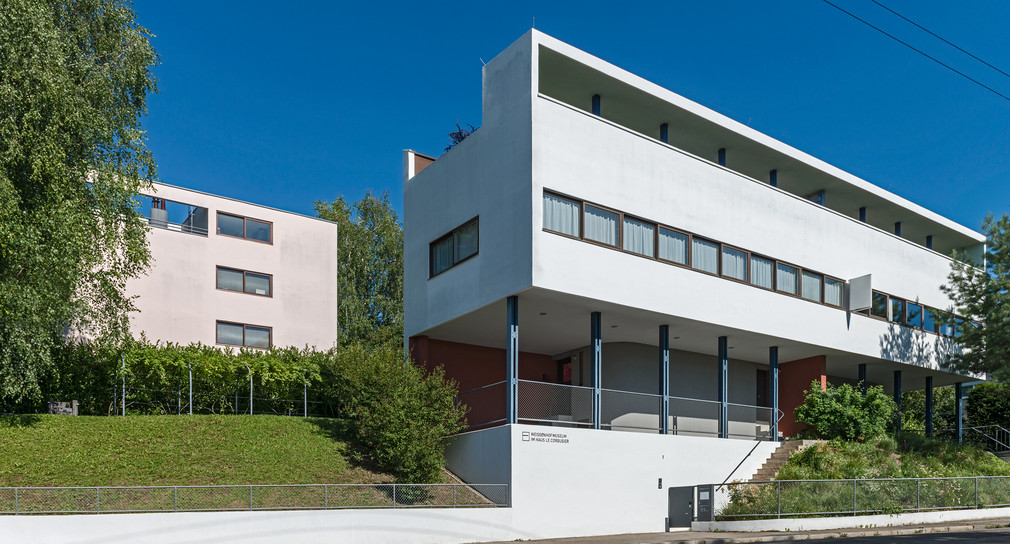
[(692, 537)]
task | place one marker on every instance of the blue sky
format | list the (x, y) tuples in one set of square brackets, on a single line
[(287, 103)]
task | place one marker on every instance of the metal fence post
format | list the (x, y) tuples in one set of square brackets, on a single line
[(98, 500), (250, 498), (15, 501), (190, 388), (394, 495), (976, 491), (124, 382), (918, 485), (454, 495), (305, 396), (175, 498), (326, 496)]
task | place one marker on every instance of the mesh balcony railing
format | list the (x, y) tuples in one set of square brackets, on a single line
[(541, 402)]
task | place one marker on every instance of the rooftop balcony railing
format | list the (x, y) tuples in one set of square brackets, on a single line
[(170, 215)]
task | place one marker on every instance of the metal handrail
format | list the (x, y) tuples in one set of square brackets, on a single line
[(756, 444), (1000, 432)]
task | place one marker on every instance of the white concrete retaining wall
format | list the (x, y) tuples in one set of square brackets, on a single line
[(847, 522), (400, 526)]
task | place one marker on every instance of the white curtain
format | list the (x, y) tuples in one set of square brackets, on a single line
[(834, 291), (229, 279), (466, 241), (229, 333), (811, 286), (639, 237), (441, 256), (734, 263), (761, 272), (561, 215), (601, 225), (255, 283), (672, 246), (786, 279), (256, 337), (704, 256)]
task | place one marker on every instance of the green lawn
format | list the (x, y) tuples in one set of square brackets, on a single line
[(61, 451)]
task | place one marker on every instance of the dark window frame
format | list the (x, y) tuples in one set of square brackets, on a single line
[(270, 332), (244, 274), (747, 255), (453, 261), (245, 235)]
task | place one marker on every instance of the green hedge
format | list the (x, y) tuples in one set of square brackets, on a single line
[(400, 415)]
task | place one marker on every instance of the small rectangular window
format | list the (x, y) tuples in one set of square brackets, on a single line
[(704, 256), (761, 272), (914, 318), (639, 237), (734, 263), (239, 334), (453, 248), (897, 310), (787, 279), (879, 305), (601, 225), (811, 288), (243, 281), (672, 246), (834, 292), (244, 227), (561, 215)]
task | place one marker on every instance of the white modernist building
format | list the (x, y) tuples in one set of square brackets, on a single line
[(604, 254), (235, 274)]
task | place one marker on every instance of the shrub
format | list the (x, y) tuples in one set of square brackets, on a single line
[(399, 413), (844, 412), (989, 404)]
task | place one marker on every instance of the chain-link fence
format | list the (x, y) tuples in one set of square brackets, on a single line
[(554, 403), (811, 498), (111, 500)]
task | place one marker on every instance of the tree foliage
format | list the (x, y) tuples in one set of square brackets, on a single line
[(913, 409), (74, 80), (981, 300), (844, 412), (369, 269), (989, 404)]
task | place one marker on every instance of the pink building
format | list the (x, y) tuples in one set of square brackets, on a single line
[(231, 273)]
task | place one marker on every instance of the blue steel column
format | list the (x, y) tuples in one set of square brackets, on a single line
[(664, 379), (597, 337), (929, 406), (773, 375), (958, 426), (512, 361), (862, 377), (897, 400), (723, 388)]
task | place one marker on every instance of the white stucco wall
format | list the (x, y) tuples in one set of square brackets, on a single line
[(579, 154), (487, 175), (178, 300)]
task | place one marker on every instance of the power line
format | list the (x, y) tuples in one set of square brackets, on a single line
[(935, 35), (951, 68)]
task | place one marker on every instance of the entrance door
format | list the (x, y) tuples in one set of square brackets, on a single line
[(681, 507), (565, 371)]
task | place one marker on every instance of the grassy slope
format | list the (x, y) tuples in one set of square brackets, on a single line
[(176, 450), (908, 457)]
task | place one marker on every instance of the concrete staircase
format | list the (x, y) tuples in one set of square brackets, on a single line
[(779, 458)]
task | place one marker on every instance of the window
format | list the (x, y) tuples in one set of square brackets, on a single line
[(929, 319), (243, 227), (787, 279), (453, 248), (601, 225), (811, 286), (897, 310), (639, 237), (834, 292), (734, 263), (239, 334), (672, 246), (914, 318), (243, 281), (704, 256), (878, 307), (761, 271), (561, 215)]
